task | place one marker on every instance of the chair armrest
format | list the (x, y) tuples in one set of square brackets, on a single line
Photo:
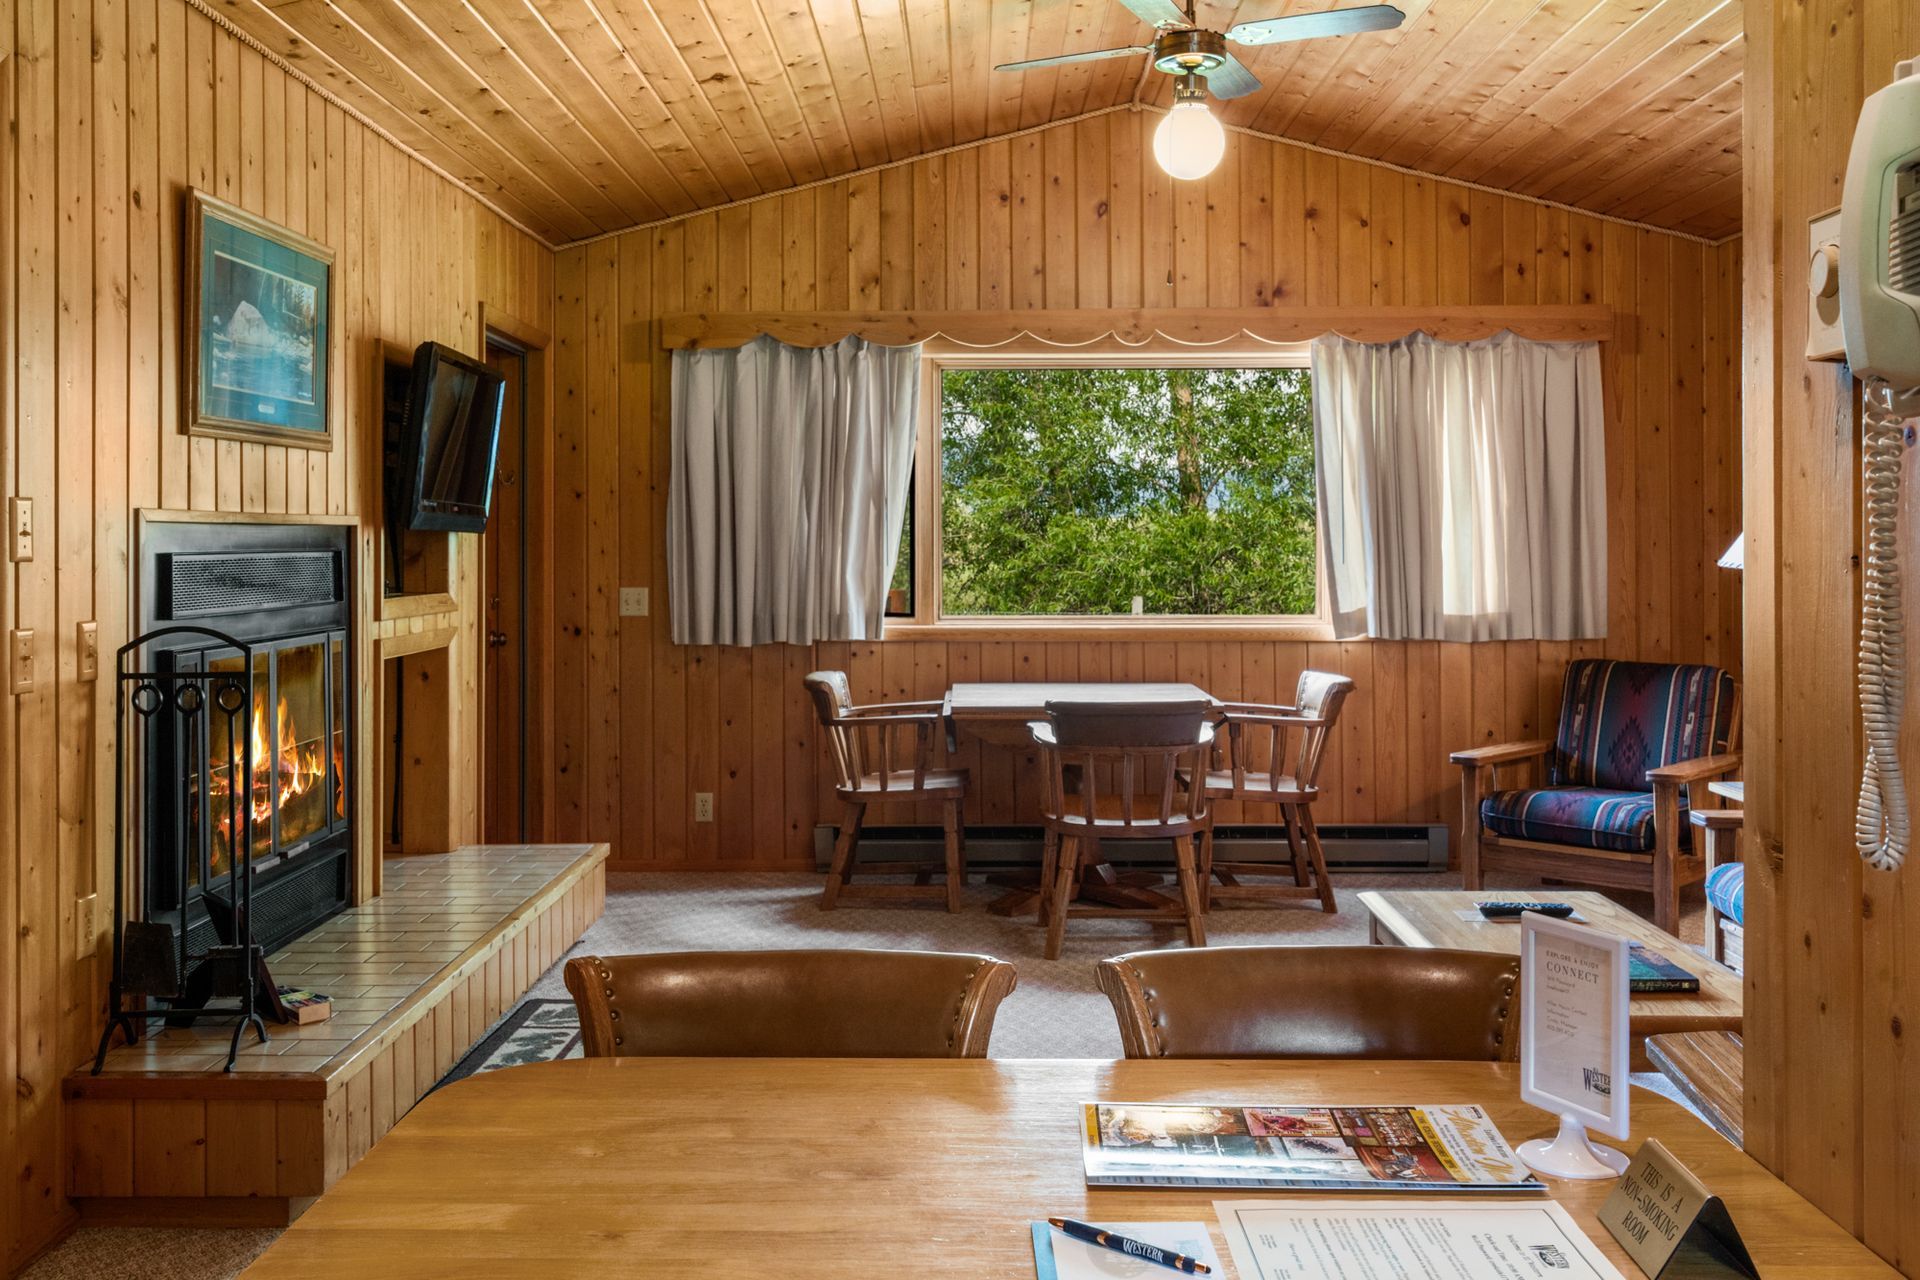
[(1717, 819), (1699, 769), (1503, 753), (889, 715), (936, 704), (1257, 708)]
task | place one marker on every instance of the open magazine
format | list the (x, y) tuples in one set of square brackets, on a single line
[(1451, 1147)]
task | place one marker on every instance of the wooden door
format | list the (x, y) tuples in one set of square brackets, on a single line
[(504, 816)]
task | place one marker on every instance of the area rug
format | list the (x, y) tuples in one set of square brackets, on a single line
[(538, 1030)]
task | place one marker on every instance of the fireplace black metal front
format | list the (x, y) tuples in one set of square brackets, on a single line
[(285, 590)]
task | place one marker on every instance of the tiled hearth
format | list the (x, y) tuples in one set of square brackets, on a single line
[(416, 977)]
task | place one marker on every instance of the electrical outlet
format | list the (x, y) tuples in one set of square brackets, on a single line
[(88, 650), (633, 602), (703, 806), (86, 924), (20, 529), (20, 661)]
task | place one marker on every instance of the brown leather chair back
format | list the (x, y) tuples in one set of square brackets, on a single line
[(1316, 1002), (788, 1004)]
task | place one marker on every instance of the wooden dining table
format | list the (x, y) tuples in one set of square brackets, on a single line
[(998, 713), (818, 1169)]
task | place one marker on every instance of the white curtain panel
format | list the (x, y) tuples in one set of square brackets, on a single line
[(1462, 488), (789, 489)]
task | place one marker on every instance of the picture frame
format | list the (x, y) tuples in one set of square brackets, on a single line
[(258, 329), (1559, 1064)]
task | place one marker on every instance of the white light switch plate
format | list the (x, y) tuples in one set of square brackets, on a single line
[(633, 602)]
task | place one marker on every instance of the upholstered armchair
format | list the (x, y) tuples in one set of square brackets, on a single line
[(1636, 744)]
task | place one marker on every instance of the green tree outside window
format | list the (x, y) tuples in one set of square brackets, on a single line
[(1071, 491)]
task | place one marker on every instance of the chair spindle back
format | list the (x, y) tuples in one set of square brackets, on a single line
[(1129, 745), (1270, 747), (870, 742)]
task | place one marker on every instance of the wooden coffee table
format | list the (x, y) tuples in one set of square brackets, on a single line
[(1432, 918)]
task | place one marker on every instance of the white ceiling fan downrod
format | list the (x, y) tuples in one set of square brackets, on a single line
[(1882, 824)]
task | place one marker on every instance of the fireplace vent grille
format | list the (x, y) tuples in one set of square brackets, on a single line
[(200, 586)]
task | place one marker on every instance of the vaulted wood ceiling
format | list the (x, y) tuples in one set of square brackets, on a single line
[(581, 116)]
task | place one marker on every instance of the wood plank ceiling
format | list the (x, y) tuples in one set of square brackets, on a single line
[(583, 116)]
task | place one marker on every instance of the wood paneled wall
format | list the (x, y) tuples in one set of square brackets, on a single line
[(1079, 215), (113, 111), (1833, 948)]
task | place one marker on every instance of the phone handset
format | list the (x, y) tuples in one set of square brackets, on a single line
[(1879, 285)]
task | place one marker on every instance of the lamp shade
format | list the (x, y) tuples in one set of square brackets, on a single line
[(1735, 556), (1189, 142)]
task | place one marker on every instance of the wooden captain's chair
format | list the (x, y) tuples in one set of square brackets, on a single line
[(884, 752), (1271, 755), (1111, 775)]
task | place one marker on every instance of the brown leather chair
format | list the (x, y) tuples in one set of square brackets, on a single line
[(1111, 772), (788, 1004), (1316, 1002), (883, 752)]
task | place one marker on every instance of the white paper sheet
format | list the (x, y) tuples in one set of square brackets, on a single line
[(1408, 1240), (1061, 1257)]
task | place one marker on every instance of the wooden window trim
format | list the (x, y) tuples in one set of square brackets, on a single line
[(930, 620)]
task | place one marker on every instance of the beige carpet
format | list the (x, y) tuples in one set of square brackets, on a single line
[(1056, 1012)]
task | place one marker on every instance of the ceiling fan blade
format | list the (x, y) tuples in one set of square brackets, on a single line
[(1063, 59), (1231, 80), (1157, 13), (1309, 26)]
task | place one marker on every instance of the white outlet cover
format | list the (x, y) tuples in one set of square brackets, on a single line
[(633, 602)]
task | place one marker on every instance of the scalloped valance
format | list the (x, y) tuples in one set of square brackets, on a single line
[(1118, 327)]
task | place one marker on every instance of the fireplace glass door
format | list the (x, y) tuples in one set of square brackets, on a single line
[(296, 735)]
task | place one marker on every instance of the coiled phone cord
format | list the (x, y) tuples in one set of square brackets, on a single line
[(1882, 826)]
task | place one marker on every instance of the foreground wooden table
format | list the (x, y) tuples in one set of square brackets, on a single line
[(1431, 918), (808, 1169)]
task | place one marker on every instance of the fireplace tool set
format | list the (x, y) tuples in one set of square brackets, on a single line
[(159, 970)]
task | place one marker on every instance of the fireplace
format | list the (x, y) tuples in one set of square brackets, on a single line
[(283, 589)]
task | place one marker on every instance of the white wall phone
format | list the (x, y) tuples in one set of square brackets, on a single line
[(1879, 262)]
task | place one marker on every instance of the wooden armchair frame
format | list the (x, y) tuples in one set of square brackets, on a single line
[(1272, 755), (1718, 830), (1663, 872), (1083, 743), (883, 751)]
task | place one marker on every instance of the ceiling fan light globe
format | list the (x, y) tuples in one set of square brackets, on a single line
[(1189, 141)]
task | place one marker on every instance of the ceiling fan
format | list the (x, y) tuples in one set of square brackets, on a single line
[(1190, 142)]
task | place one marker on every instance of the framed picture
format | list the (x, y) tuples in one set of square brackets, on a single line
[(259, 328)]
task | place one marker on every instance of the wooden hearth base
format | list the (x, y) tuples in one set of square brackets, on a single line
[(163, 1137)]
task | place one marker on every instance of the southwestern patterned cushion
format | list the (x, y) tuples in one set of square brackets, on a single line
[(1620, 719), (1592, 817), (1727, 890)]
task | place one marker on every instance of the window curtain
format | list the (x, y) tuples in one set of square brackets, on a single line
[(1462, 488), (789, 489)]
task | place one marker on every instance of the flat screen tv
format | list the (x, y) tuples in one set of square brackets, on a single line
[(449, 437)]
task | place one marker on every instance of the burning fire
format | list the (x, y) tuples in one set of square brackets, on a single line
[(299, 768), (283, 771)]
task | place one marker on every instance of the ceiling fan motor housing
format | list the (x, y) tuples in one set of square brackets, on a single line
[(1189, 50)]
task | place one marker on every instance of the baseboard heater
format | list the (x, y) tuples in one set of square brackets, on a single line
[(1352, 846)]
